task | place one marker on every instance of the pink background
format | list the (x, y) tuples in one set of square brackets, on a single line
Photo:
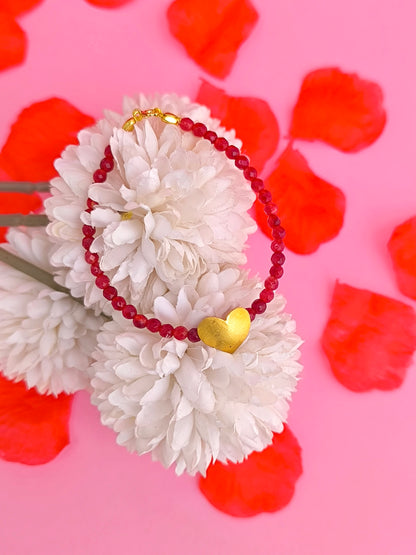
[(359, 484)]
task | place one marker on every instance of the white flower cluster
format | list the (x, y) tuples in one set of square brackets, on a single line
[(188, 403), (186, 201), (176, 257), (46, 338)]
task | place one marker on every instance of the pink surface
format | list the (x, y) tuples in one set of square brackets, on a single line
[(359, 484)]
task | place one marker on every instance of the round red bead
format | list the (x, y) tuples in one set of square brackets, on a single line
[(102, 281), (193, 335), (109, 292), (88, 230), (278, 232), (242, 162), (186, 124), (277, 245), (180, 332), (166, 330), (232, 152), (87, 242), (118, 302), (251, 313), (210, 136), (265, 196), (273, 220), (91, 257), (95, 270), (199, 129), (139, 321), (250, 173), (258, 306), (153, 325), (257, 185), (270, 208), (276, 271), (91, 203), (107, 164), (221, 144), (271, 283), (266, 295), (278, 258), (107, 152), (129, 311), (99, 176)]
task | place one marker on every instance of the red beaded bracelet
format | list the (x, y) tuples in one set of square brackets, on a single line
[(224, 335)]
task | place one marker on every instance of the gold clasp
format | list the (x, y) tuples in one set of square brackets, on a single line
[(138, 115)]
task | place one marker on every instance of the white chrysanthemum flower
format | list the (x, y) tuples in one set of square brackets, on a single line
[(188, 403), (188, 205), (46, 337)]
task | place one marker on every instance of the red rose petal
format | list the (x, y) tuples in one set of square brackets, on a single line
[(402, 249), (213, 31), (340, 109), (38, 137), (254, 122), (12, 42), (33, 427), (311, 209), (264, 482), (17, 203), (108, 3), (369, 339), (16, 7)]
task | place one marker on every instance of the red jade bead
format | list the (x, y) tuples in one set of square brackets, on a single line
[(107, 164), (220, 144), (250, 173), (232, 152), (91, 257), (88, 230), (139, 321), (91, 203), (258, 306), (276, 271), (129, 311), (270, 208), (193, 335), (87, 242), (102, 281), (271, 283), (99, 176), (95, 270), (118, 302), (242, 162), (210, 136), (109, 292), (166, 330), (199, 129), (180, 332), (153, 325), (186, 124), (266, 295)]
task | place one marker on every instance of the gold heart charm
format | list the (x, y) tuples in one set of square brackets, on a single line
[(225, 335)]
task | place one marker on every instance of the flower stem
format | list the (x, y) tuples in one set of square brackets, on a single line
[(31, 220), (23, 187), (34, 272)]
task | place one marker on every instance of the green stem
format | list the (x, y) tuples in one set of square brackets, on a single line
[(31, 220), (34, 272), (23, 187)]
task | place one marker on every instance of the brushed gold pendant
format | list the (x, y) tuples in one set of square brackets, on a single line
[(225, 335)]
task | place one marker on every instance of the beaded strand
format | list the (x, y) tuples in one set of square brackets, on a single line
[(241, 162)]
